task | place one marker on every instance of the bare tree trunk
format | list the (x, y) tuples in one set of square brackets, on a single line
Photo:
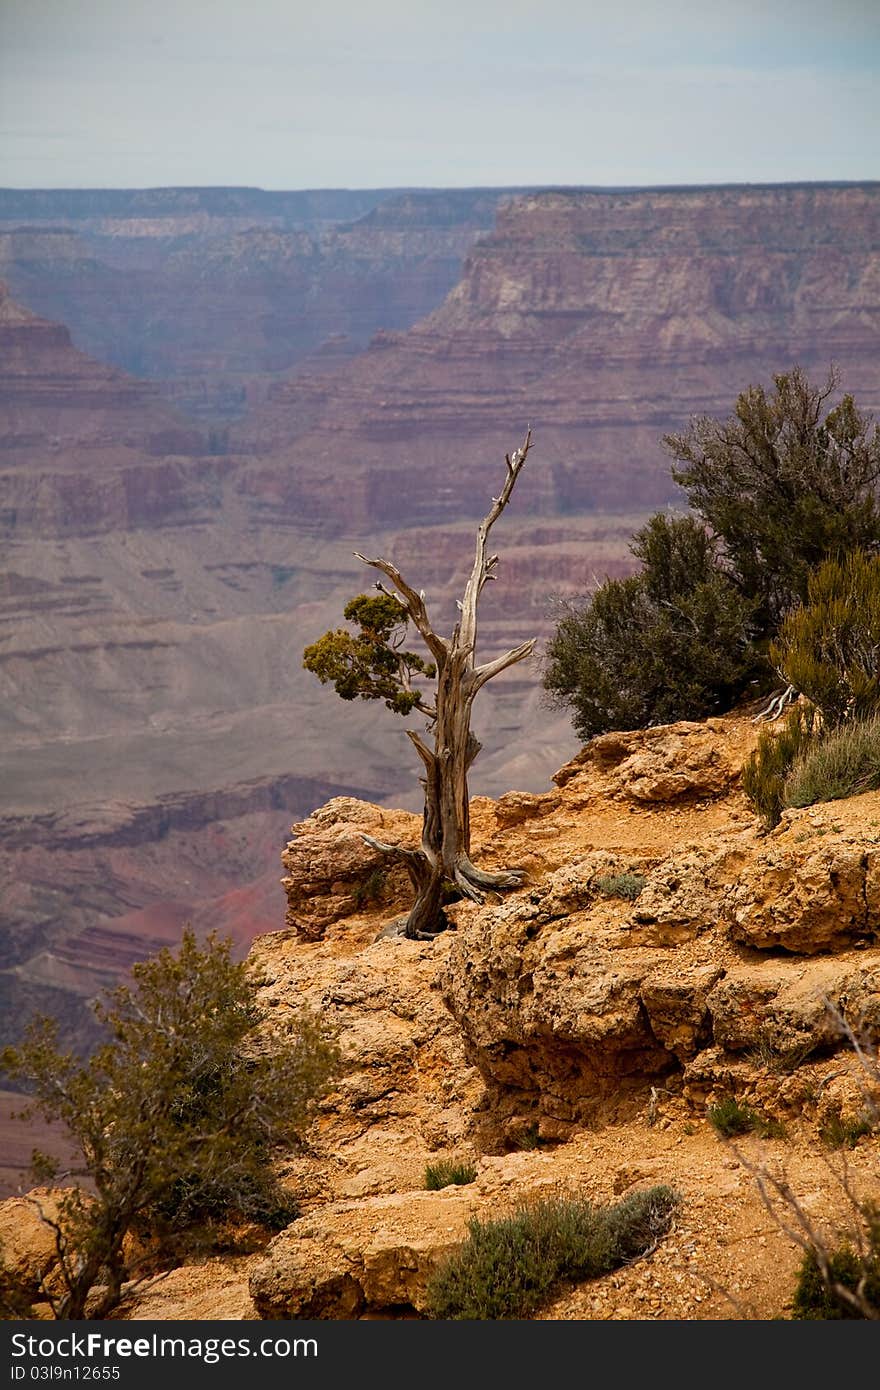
[(444, 861)]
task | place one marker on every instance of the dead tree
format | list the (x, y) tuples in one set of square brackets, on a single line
[(443, 861)]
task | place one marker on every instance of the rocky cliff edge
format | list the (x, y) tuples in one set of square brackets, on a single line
[(666, 953)]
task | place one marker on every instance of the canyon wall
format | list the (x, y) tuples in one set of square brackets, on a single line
[(214, 296)]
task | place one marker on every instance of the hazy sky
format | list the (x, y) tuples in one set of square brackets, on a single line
[(384, 93)]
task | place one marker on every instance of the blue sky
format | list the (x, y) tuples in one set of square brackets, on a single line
[(385, 93)]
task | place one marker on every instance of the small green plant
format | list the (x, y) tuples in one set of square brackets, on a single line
[(819, 1296), (626, 885), (370, 890), (448, 1174), (731, 1116), (764, 775), (508, 1267), (844, 1132), (844, 763), (529, 1138), (781, 1060)]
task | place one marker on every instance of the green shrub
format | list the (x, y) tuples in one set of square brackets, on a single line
[(775, 490), (529, 1138), (673, 642), (508, 1267), (784, 483), (780, 1060), (827, 648), (178, 1116), (371, 890), (730, 1116), (626, 885), (447, 1174), (764, 775), (841, 1132), (816, 1297), (843, 763)]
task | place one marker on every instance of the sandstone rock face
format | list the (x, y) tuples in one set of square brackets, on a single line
[(380, 1253), (55, 401), (659, 299), (786, 1005), (27, 1242), (407, 1091), (809, 891), (332, 871), (572, 1000)]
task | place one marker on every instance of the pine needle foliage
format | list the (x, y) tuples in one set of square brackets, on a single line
[(672, 642), (786, 482), (370, 664), (829, 647)]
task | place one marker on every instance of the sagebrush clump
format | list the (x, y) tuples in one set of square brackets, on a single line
[(508, 1267), (627, 885), (844, 763)]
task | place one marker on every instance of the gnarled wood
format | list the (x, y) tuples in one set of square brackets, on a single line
[(443, 861)]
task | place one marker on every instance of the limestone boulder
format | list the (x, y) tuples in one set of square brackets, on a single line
[(807, 892), (378, 1254), (407, 1087), (332, 873), (27, 1241), (675, 998), (681, 898), (778, 1008), (550, 1008), (515, 808), (669, 763)]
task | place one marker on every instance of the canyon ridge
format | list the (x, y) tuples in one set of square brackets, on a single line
[(570, 1040)]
